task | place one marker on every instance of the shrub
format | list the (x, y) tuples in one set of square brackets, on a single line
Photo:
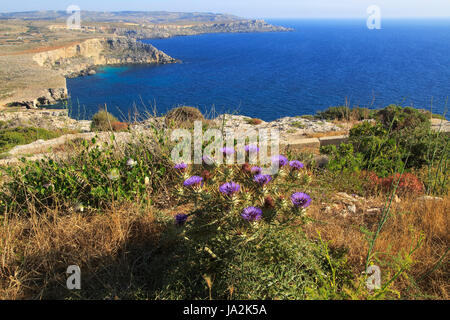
[(333, 113), (408, 184), (254, 121), (397, 117), (343, 158), (94, 178), (102, 120), (380, 151), (243, 234), (183, 114), (345, 113)]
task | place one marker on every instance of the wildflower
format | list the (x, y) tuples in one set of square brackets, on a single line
[(146, 181), (131, 163), (269, 202), (227, 151), (193, 181), (181, 219), (229, 188), (256, 170), (281, 160), (262, 179), (79, 207), (181, 166), (301, 200), (251, 148), (295, 164), (251, 214), (114, 174)]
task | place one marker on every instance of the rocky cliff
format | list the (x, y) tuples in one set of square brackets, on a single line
[(44, 73)]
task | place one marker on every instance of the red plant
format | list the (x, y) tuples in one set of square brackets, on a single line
[(119, 126), (408, 183)]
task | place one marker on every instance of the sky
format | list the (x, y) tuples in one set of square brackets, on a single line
[(252, 8)]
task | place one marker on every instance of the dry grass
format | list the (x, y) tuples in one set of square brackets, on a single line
[(36, 252), (327, 134), (408, 218)]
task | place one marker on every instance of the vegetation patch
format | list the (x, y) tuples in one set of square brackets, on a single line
[(11, 137), (102, 121)]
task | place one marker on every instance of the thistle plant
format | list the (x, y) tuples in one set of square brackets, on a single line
[(233, 205)]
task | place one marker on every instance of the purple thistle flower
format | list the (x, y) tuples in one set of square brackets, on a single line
[(181, 219), (229, 188), (281, 160), (256, 170), (301, 200), (193, 181), (295, 164), (262, 179), (251, 148), (227, 151), (181, 166), (251, 214)]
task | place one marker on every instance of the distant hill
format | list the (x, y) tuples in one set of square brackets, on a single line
[(124, 16)]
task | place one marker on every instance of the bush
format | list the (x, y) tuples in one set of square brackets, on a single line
[(343, 158), (94, 178), (396, 118), (401, 139), (333, 113), (407, 183), (102, 121), (254, 121), (380, 151), (345, 113), (221, 248), (183, 114)]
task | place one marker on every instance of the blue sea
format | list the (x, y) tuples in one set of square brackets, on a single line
[(322, 63)]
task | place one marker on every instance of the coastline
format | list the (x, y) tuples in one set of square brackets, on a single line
[(48, 69)]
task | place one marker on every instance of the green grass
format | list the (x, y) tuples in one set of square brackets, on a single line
[(9, 138), (298, 124)]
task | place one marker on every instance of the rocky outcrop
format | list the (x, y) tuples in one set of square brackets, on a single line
[(82, 58), (42, 79), (50, 119)]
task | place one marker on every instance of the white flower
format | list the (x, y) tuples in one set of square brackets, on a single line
[(131, 163), (147, 181), (114, 174), (79, 207)]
